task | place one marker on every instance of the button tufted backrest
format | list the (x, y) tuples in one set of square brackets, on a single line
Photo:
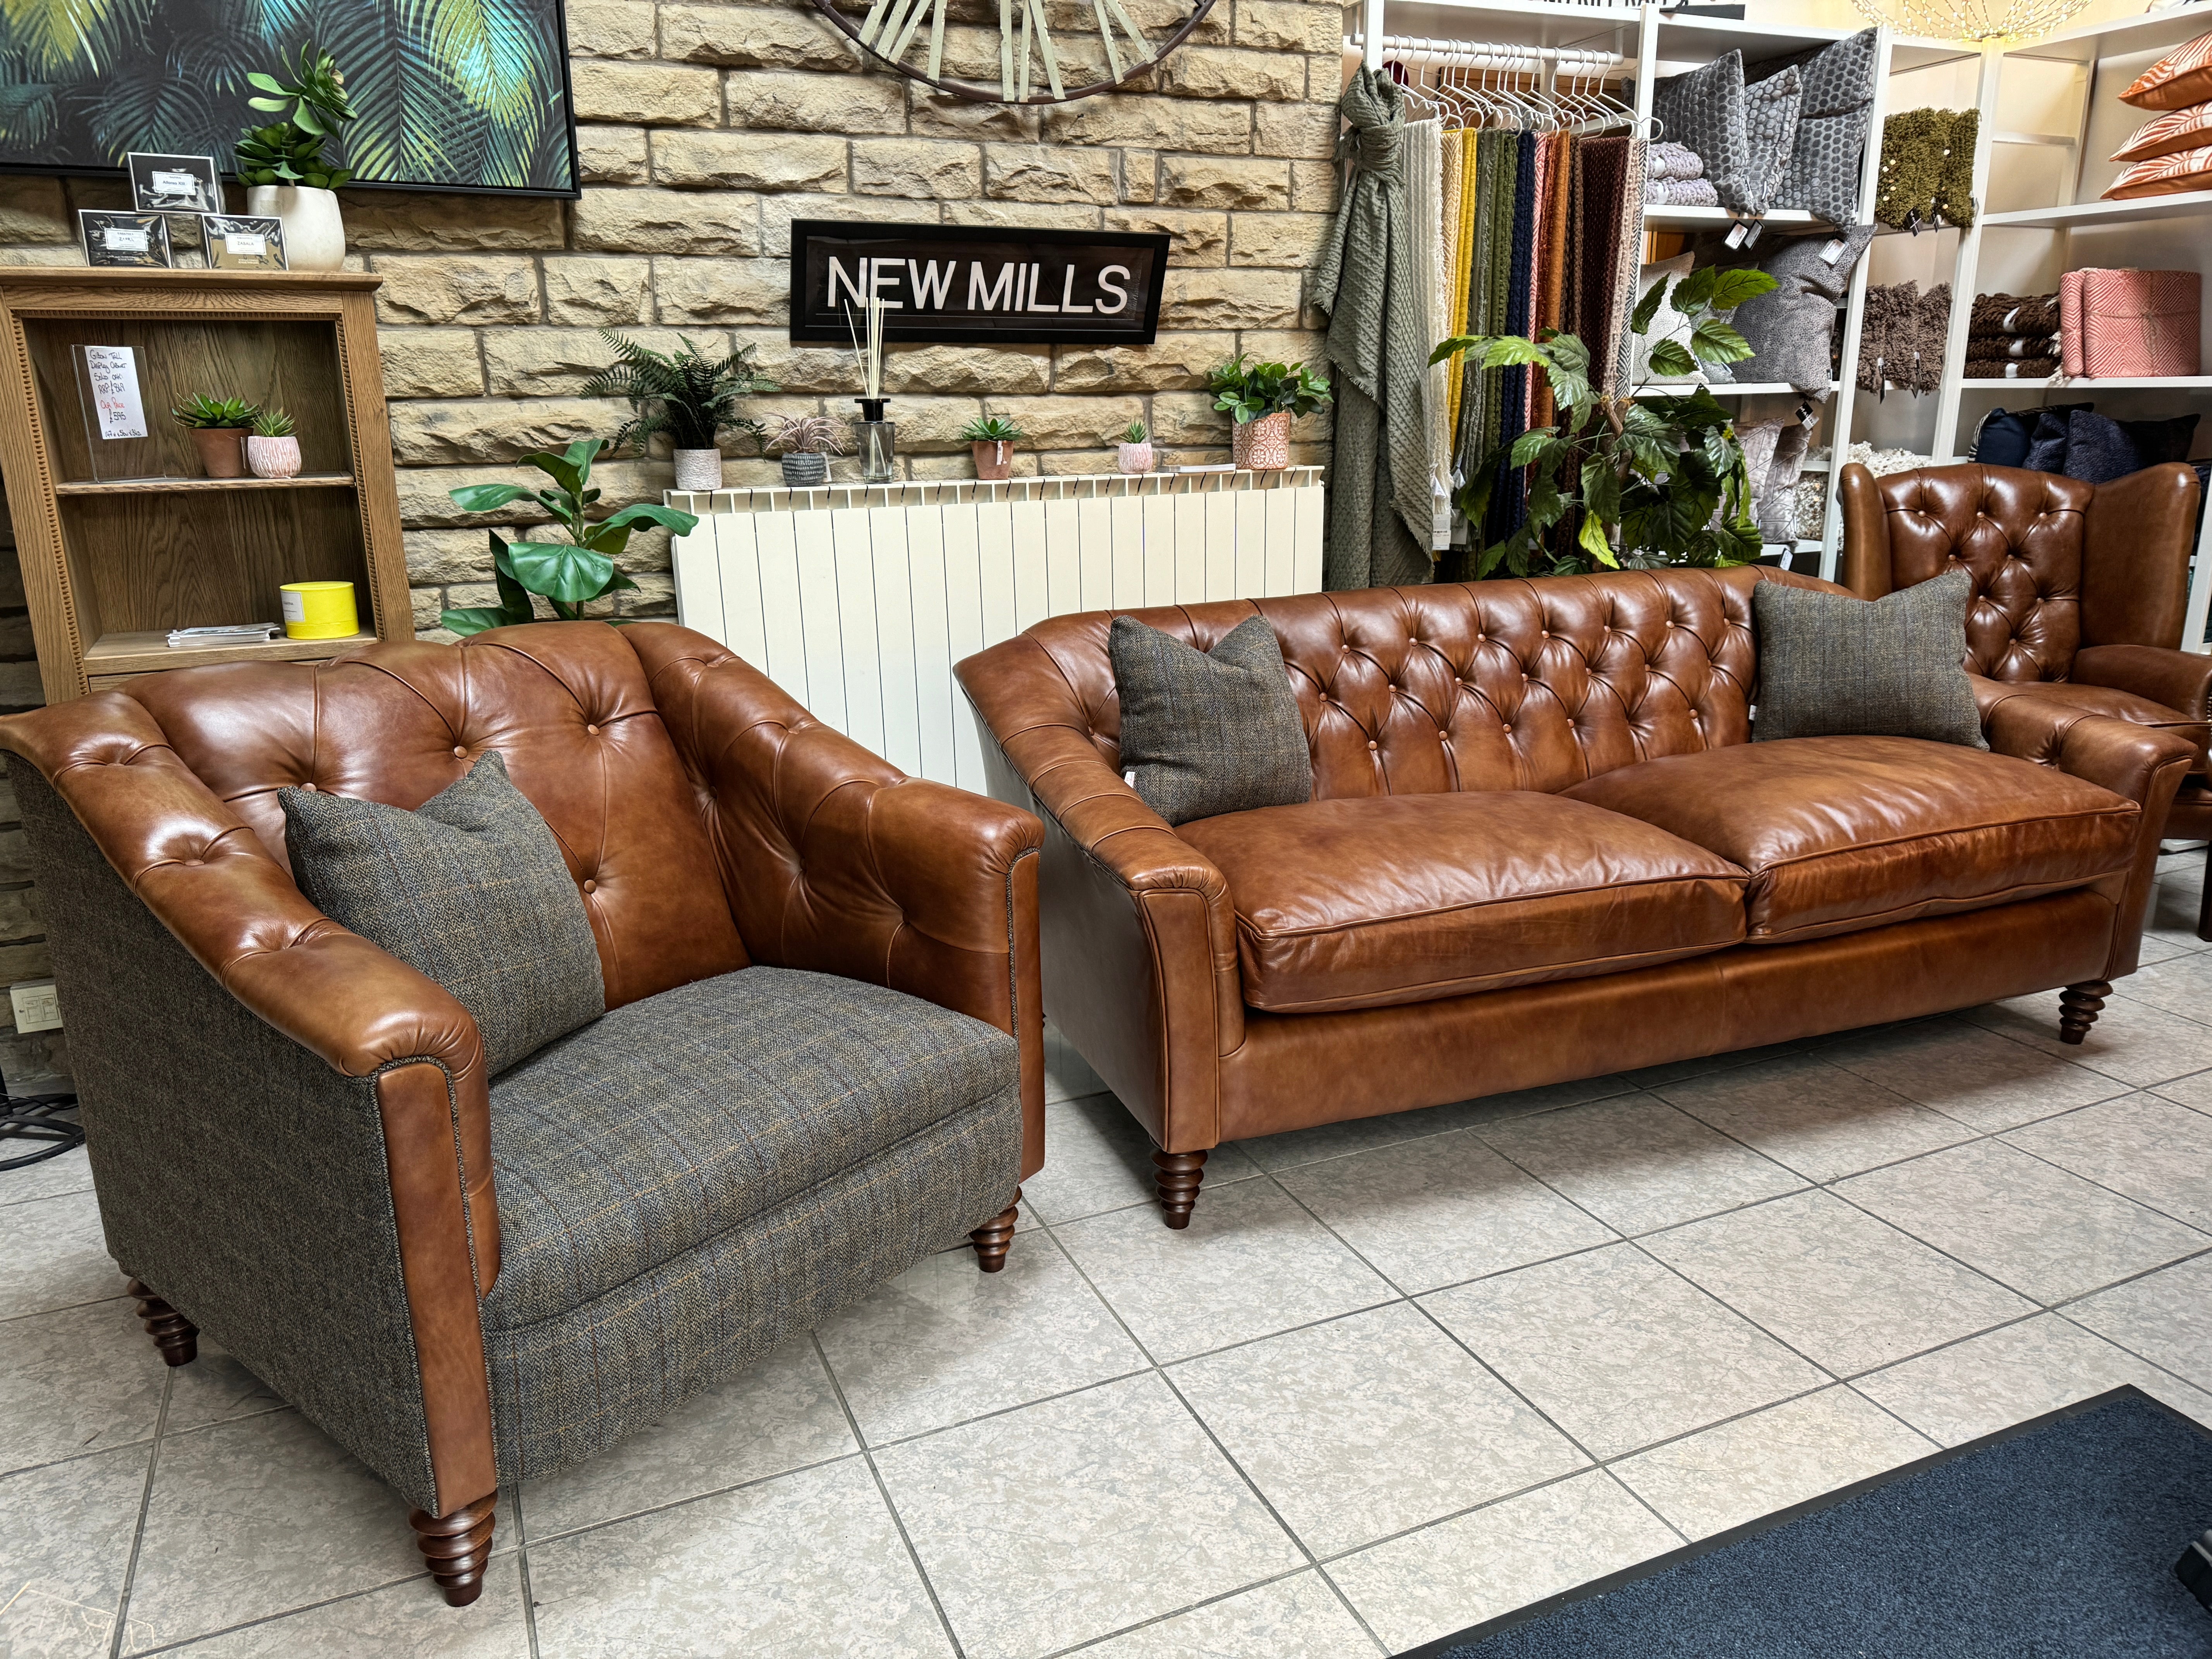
[(567, 706), (2020, 536), (1477, 685)]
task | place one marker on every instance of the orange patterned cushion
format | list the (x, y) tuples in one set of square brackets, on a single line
[(2191, 169), (2177, 80), (2175, 129)]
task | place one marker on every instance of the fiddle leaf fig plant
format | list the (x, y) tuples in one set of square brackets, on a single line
[(568, 575)]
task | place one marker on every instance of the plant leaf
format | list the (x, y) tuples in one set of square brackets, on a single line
[(560, 570), (482, 498), (1639, 321), (1592, 538), (1731, 288), (1715, 341), (475, 619), (1672, 357), (1696, 290), (675, 522), (1529, 445)]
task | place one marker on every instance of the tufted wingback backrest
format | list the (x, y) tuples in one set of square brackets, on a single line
[(2019, 535), (1474, 685), (568, 709)]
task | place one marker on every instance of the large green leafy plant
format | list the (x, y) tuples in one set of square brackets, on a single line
[(290, 151), (569, 575), (691, 397), (1622, 479), (1249, 391)]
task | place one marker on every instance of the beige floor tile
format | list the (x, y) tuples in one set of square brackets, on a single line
[(1097, 1157), (1636, 1164), (1070, 1519), (64, 1545), (1817, 1119), (943, 1343), (779, 1415), (69, 1173), (1441, 1209), (2151, 1149), (1847, 1291), (214, 1388), (1985, 1081), (55, 1255), (1785, 1454), (1617, 1351), (261, 1516), (2165, 1316), (1330, 1140), (2047, 1234), (1251, 1263), (400, 1621), (2131, 1040), (1481, 1567), (1991, 1382), (802, 1566), (1296, 1618), (2194, 1092), (1674, 1071), (2175, 905), (77, 1381), (1368, 1426), (2178, 985)]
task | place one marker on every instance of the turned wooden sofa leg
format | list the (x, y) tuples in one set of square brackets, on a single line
[(457, 1547), (176, 1336), (2079, 1006), (1179, 1176), (995, 1236)]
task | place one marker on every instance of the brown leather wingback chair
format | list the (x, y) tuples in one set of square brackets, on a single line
[(2079, 591)]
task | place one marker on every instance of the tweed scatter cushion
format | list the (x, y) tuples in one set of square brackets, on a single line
[(472, 889), (1831, 665), (1205, 732)]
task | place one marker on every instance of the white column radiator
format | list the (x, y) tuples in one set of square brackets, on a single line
[(858, 598)]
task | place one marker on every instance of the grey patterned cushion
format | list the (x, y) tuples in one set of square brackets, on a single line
[(1703, 110), (1833, 665), (1837, 104), (472, 889), (1208, 732), (1791, 327), (1770, 126)]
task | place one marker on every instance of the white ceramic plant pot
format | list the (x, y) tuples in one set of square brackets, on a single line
[(272, 457), (1133, 457), (699, 470), (314, 231)]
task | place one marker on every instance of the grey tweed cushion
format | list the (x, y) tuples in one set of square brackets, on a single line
[(1205, 732), (1703, 110), (1770, 127), (1831, 665), (472, 889)]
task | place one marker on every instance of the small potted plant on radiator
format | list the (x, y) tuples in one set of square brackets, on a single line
[(271, 451), (991, 441), (218, 426), (1263, 399), (807, 442), (692, 397), (1132, 447)]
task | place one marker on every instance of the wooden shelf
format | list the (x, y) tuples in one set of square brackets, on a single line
[(2076, 216), (145, 653), (158, 486)]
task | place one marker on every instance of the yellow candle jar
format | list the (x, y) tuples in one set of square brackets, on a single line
[(320, 611)]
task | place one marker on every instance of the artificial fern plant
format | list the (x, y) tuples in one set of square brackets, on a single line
[(691, 397), (1624, 480), (290, 151)]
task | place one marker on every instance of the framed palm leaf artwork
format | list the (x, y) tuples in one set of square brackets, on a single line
[(450, 94)]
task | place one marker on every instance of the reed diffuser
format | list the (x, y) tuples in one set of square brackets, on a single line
[(878, 437)]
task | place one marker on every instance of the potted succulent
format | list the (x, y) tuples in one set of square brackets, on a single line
[(807, 442), (1132, 447), (281, 165), (991, 441), (1263, 399), (218, 426), (568, 575), (271, 451), (691, 397)]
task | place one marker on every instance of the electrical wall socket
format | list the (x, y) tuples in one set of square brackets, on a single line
[(37, 1006)]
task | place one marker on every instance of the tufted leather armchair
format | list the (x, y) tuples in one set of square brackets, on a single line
[(821, 1056), (2079, 592)]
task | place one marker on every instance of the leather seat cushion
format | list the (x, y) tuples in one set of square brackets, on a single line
[(1370, 902), (1842, 834)]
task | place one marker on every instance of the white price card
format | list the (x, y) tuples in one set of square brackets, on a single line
[(123, 239), (175, 184), (246, 245), (113, 372)]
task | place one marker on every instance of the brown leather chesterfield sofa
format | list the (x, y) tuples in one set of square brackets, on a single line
[(2079, 592), (468, 1281), (1541, 848)]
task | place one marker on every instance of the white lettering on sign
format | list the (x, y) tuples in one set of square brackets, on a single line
[(932, 284), (1067, 295), (857, 288), (1000, 296), (1033, 305), (246, 245), (883, 272), (175, 184), (123, 239), (1119, 290), (113, 372)]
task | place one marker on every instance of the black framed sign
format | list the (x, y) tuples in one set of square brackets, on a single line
[(976, 285)]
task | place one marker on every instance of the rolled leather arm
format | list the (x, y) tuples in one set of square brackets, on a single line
[(2181, 680), (834, 860)]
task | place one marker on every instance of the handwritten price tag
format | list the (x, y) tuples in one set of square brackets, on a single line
[(113, 372)]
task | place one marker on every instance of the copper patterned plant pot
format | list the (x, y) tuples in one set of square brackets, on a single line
[(995, 458), (1264, 445), (222, 450)]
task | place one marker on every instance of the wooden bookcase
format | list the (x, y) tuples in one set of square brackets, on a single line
[(110, 566)]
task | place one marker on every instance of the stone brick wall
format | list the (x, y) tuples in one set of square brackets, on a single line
[(705, 129)]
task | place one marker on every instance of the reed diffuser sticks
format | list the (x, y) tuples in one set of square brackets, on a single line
[(868, 358)]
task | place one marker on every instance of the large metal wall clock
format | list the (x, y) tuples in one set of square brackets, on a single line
[(908, 36)]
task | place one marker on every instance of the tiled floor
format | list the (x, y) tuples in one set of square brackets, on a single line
[(1399, 1376)]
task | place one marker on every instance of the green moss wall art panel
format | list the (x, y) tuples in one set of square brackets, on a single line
[(452, 94)]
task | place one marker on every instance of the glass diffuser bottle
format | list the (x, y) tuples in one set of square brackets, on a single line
[(878, 442)]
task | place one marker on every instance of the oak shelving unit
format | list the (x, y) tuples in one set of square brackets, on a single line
[(111, 565)]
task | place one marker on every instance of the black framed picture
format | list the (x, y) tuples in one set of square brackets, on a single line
[(976, 285), (473, 97), (243, 242), (110, 237), (174, 184)]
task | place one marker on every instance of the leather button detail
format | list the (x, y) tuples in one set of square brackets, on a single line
[(591, 886), (593, 730), (1371, 744), (459, 751), (309, 787)]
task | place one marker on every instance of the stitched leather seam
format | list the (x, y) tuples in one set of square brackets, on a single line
[(1471, 985), (2083, 815), (1246, 925), (1922, 907)]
